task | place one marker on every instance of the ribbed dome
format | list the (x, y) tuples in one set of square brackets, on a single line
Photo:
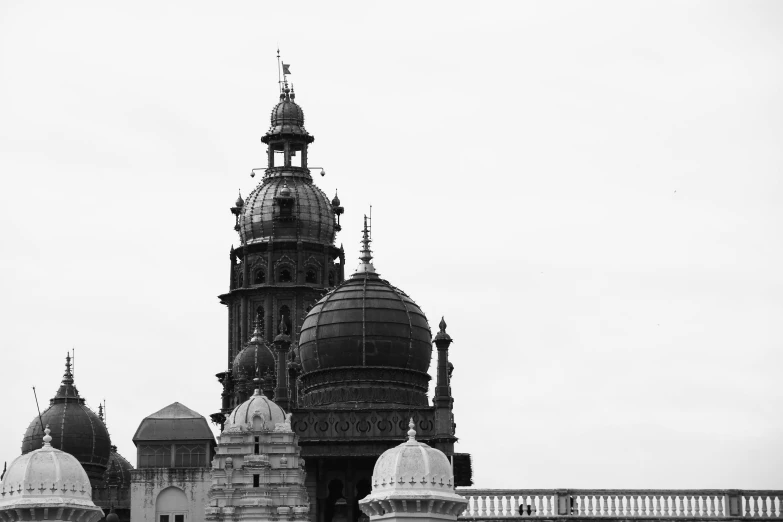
[(365, 322), (255, 355), (118, 472), (428, 466), (413, 473), (256, 407), (75, 429), (365, 343), (48, 477), (310, 218)]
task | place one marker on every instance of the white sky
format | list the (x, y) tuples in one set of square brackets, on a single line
[(589, 192)]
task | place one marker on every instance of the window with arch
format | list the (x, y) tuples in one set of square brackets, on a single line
[(190, 456), (331, 278), (155, 456), (311, 276), (285, 275), (171, 505), (285, 313), (259, 278)]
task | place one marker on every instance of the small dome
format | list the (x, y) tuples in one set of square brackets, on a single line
[(112, 517), (48, 477), (335, 200), (240, 202), (76, 429), (428, 466), (287, 118), (256, 355), (174, 422), (118, 472), (285, 191), (257, 412)]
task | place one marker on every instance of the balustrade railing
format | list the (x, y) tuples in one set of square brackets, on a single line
[(492, 504)]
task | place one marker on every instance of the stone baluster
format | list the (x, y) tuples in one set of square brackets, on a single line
[(481, 513), (514, 506), (747, 500)]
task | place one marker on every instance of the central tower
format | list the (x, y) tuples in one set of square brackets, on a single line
[(286, 260)]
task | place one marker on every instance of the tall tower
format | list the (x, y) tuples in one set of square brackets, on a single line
[(286, 259)]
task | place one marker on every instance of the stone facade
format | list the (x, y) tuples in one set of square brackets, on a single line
[(257, 473), (178, 493)]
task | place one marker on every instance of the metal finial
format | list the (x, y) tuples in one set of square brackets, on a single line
[(411, 431), (100, 411), (366, 256), (47, 438), (442, 325), (68, 376)]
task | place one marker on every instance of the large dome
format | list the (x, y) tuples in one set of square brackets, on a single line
[(310, 217), (365, 342), (75, 429), (48, 478)]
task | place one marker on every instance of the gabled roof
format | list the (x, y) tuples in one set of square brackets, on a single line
[(175, 422)]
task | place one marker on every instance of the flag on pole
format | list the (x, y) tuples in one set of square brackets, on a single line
[(286, 69)]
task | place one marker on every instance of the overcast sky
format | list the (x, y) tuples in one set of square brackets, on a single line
[(590, 192)]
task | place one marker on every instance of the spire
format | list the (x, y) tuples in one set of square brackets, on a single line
[(100, 411), (67, 390), (442, 335), (366, 266), (411, 431)]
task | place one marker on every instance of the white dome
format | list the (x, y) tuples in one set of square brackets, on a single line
[(48, 478), (413, 471), (412, 465), (256, 413)]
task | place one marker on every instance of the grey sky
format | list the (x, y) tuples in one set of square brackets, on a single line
[(589, 192)]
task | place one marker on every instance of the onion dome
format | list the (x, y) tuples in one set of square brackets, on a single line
[(112, 516), (413, 471), (76, 429), (370, 333), (256, 413), (287, 207), (335, 200), (240, 202), (255, 357), (44, 481)]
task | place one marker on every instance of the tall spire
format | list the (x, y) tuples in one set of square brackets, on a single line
[(366, 266)]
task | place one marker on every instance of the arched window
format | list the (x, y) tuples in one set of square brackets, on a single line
[(311, 276), (155, 456), (260, 277), (190, 456), (171, 505), (285, 275), (331, 278)]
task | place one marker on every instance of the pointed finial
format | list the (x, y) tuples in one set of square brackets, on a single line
[(442, 325), (47, 438), (100, 411), (283, 327), (240, 202), (68, 376), (411, 431)]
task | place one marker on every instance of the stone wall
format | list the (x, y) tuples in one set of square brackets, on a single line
[(147, 484)]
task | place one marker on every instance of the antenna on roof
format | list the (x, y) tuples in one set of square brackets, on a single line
[(39, 408), (279, 81), (73, 364)]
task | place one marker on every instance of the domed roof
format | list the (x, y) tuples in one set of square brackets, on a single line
[(310, 218), (48, 477), (118, 472), (428, 466), (256, 355), (413, 471), (257, 412), (75, 429), (372, 330), (287, 118)]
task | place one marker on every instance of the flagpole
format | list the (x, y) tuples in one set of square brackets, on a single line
[(279, 82)]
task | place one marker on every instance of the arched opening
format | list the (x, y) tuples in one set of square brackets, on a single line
[(335, 503), (311, 276), (285, 314), (171, 505), (260, 277), (285, 275), (331, 278), (363, 488)]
